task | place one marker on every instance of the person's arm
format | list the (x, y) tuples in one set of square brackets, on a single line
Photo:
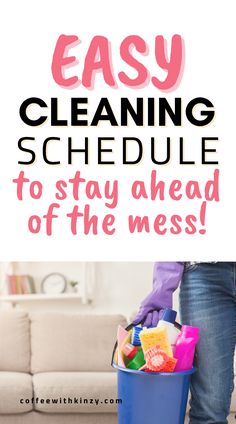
[(166, 279)]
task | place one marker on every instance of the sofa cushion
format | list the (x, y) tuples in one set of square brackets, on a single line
[(74, 392), (14, 341), (66, 342), (35, 417), (15, 392)]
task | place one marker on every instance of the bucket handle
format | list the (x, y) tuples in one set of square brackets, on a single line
[(128, 328)]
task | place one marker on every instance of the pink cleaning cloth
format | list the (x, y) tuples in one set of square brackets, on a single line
[(122, 334)]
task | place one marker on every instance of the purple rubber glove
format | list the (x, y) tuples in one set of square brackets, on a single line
[(166, 279)]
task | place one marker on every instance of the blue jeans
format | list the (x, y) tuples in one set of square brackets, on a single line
[(208, 301)]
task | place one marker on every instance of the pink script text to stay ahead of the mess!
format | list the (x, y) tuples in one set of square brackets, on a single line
[(99, 59)]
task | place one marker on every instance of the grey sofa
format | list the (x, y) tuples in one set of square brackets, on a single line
[(57, 356)]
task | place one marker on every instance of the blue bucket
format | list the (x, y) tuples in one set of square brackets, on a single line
[(152, 398)]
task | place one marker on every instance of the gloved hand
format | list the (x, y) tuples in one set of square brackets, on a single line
[(166, 278)]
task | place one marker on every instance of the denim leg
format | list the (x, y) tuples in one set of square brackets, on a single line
[(207, 301)]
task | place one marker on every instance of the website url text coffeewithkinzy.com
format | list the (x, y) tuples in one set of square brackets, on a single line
[(70, 401)]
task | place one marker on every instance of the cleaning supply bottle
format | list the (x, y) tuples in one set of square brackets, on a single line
[(185, 347), (167, 321), (137, 362), (135, 340), (129, 350)]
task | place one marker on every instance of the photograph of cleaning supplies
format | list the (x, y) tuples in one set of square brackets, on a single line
[(163, 348)]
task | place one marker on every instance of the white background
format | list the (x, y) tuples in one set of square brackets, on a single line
[(30, 31)]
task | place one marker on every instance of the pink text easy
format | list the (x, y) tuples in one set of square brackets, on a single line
[(99, 59)]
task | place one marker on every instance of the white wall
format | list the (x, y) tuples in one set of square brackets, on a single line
[(119, 286)]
